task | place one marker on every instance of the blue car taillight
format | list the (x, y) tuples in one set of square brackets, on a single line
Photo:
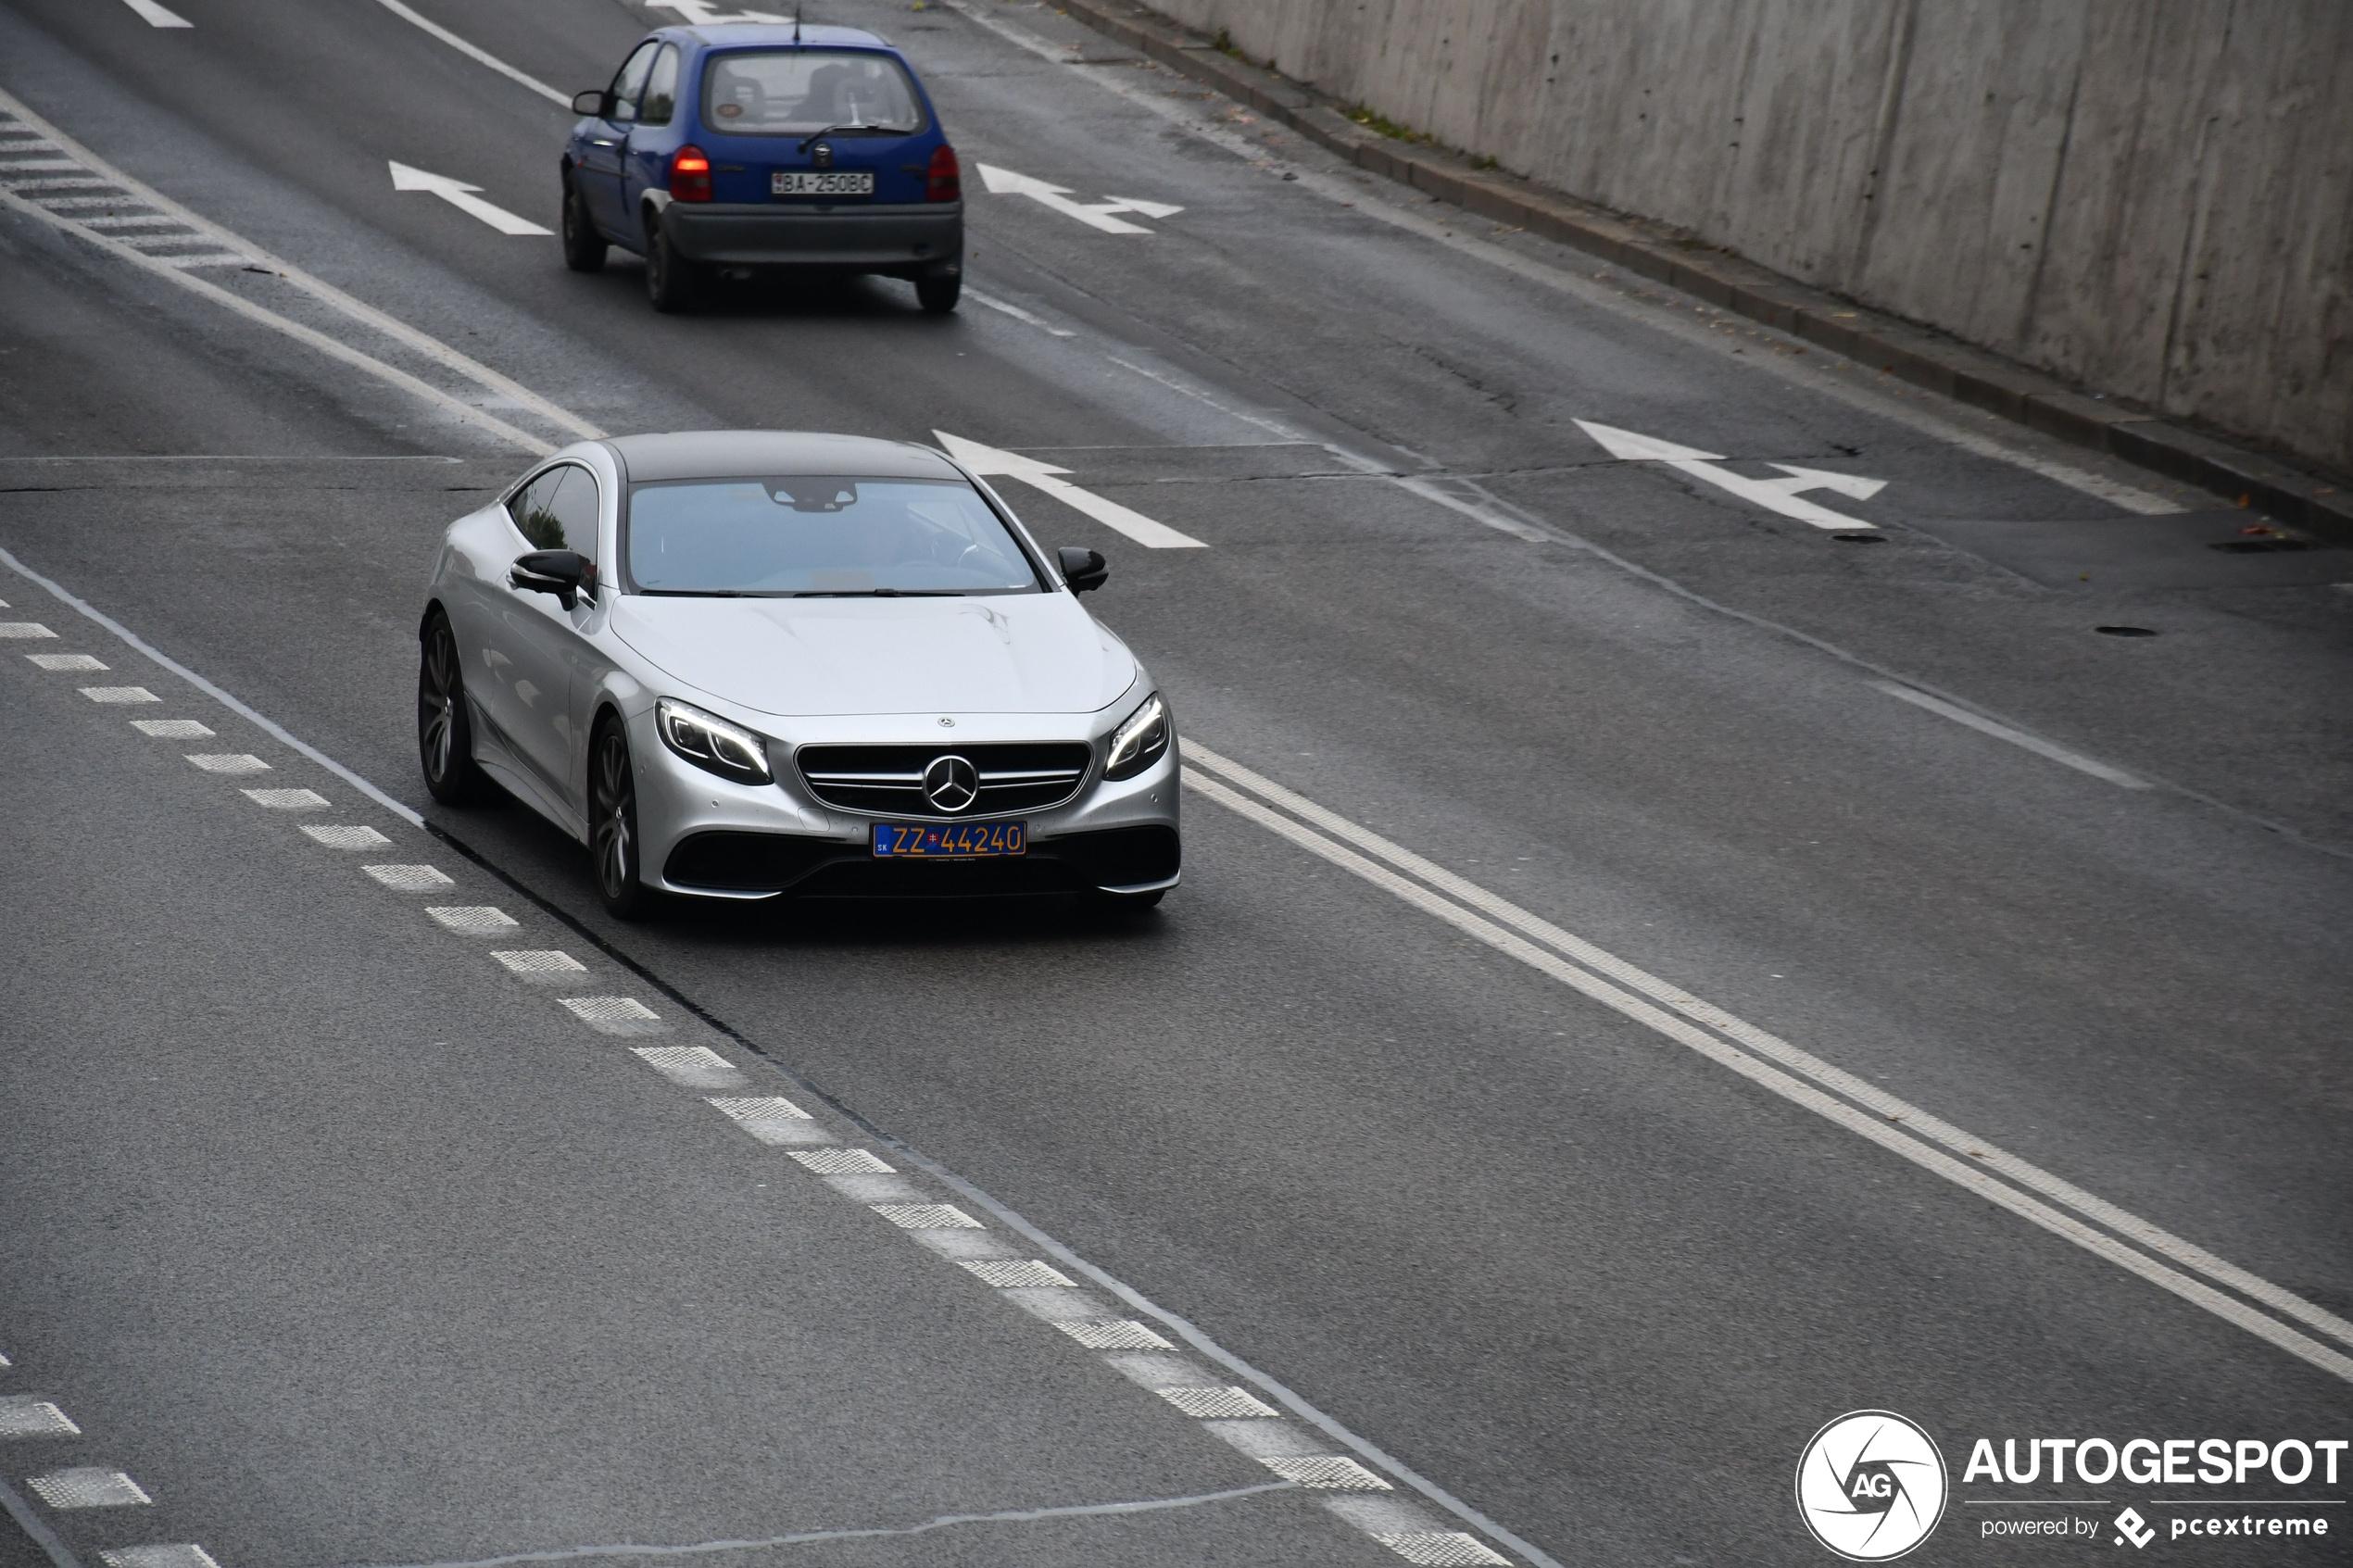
[(946, 181)]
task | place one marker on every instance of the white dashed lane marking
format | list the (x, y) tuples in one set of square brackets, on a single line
[(691, 1067), (616, 1015), (64, 662), (120, 694), (401, 879), (542, 967), (184, 1555), (287, 800), (230, 762), (773, 1119), (1326, 1471), (1113, 1334), (346, 837), (171, 729), (1011, 1274), (840, 1161), (1215, 1404), (927, 1216), (475, 921), (23, 629), (30, 1416), (1440, 1549), (88, 1486)]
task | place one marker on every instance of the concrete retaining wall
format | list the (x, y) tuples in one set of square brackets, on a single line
[(2153, 197)]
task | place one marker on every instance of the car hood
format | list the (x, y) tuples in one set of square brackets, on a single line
[(1012, 653)]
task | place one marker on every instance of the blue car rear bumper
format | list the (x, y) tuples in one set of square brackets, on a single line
[(910, 239)]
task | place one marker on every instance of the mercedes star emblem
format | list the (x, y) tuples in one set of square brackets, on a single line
[(951, 783)]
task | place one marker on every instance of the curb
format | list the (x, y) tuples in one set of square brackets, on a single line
[(1925, 359)]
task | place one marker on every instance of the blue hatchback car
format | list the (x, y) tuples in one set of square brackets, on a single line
[(745, 145)]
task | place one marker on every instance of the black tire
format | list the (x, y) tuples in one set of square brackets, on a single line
[(673, 282), (583, 247), (445, 729), (938, 295), (612, 824)]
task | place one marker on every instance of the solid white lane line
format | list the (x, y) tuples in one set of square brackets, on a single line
[(65, 661), (120, 694), (88, 1486), (286, 799), (460, 194), (173, 729), (1870, 1096), (326, 293), (1006, 306), (347, 839), (478, 55), (154, 15), (400, 879), (2035, 744), (269, 727), (1878, 1129)]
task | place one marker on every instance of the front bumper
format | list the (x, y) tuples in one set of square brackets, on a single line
[(926, 238), (705, 836)]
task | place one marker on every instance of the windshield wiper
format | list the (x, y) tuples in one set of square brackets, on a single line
[(815, 136), (880, 594)]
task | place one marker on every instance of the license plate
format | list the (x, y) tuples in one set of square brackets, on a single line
[(950, 841), (803, 183)]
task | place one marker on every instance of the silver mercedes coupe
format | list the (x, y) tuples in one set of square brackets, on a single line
[(745, 664)]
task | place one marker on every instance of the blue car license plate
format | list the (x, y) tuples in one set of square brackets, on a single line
[(950, 841)]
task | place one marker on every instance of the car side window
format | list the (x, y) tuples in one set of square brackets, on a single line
[(662, 89), (631, 82), (533, 509), (575, 509), (558, 510)]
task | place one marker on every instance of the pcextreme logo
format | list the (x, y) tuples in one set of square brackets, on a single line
[(1871, 1486)]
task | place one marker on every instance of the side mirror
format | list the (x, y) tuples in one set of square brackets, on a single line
[(561, 572), (1081, 569), (596, 101)]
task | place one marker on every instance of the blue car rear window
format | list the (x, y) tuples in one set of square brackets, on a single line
[(788, 91), (818, 535)]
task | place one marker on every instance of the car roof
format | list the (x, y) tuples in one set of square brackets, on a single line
[(747, 454), (729, 35)]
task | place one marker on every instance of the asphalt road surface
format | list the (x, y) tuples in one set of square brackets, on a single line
[(1650, 976)]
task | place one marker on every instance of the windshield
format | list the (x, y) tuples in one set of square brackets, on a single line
[(785, 92), (820, 536)]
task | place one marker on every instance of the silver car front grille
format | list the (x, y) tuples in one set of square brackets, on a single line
[(887, 781)]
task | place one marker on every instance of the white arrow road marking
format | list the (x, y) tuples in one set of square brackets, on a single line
[(1773, 494), (460, 194), (156, 15), (1096, 215), (1044, 476)]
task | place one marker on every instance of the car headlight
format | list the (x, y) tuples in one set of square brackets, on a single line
[(710, 742), (1140, 741)]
